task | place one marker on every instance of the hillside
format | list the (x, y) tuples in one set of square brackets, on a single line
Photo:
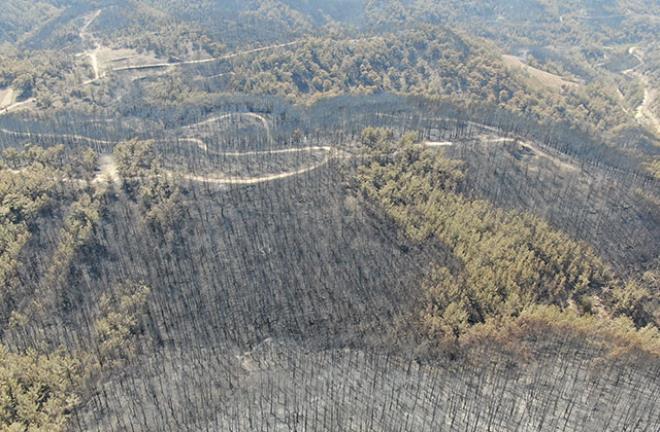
[(287, 215), (565, 81), (285, 275)]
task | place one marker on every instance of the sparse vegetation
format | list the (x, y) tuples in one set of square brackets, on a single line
[(427, 215), (507, 261), (121, 322)]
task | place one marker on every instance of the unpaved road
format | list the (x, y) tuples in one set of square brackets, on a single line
[(202, 61), (438, 143), (59, 136), (564, 164), (252, 180), (98, 75), (171, 65), (263, 120), (16, 105), (644, 112), (202, 145), (100, 71), (108, 172), (87, 37), (83, 30)]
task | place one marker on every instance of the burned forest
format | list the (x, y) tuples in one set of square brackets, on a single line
[(329, 216)]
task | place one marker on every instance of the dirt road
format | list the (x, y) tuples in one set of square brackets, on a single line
[(202, 61), (644, 112), (108, 172), (87, 37), (16, 105), (438, 143), (59, 136), (264, 121)]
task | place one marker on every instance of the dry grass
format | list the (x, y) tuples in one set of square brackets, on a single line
[(119, 57), (537, 77)]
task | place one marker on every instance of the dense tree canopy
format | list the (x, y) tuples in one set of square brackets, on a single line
[(37, 392)]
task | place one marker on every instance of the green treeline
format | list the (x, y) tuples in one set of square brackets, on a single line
[(430, 62), (508, 262), (120, 322), (34, 182), (39, 390), (24, 194)]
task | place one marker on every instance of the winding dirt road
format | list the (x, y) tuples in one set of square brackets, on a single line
[(93, 59), (263, 120), (58, 136), (253, 180), (644, 112), (497, 138), (202, 145), (108, 171)]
